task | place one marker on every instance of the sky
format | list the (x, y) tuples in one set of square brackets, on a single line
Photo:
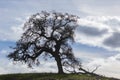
[(97, 39)]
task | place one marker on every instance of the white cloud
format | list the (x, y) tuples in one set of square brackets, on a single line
[(12, 35), (14, 32), (99, 8), (108, 66), (3, 52), (97, 31), (45, 66), (19, 67)]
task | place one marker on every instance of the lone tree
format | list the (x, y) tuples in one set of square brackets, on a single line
[(49, 34)]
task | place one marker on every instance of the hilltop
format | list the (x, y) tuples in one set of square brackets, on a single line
[(52, 76)]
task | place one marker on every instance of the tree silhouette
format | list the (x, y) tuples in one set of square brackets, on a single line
[(49, 34)]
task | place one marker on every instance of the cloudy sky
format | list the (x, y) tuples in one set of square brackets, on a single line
[(97, 39)]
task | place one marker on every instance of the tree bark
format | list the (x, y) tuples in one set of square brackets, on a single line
[(59, 64)]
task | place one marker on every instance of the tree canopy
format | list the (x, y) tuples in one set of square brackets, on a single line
[(48, 33)]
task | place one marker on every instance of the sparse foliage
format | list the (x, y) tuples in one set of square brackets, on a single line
[(49, 34)]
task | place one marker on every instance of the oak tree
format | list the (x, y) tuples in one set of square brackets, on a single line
[(48, 33)]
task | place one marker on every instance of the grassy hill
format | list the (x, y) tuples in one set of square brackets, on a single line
[(51, 76)]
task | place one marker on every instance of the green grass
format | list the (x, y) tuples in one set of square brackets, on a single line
[(51, 76)]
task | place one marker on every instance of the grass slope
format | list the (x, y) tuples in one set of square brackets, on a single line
[(51, 76)]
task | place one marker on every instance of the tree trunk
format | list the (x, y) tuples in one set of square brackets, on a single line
[(59, 64)]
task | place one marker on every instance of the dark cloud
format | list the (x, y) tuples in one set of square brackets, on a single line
[(113, 41), (91, 31), (118, 59)]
